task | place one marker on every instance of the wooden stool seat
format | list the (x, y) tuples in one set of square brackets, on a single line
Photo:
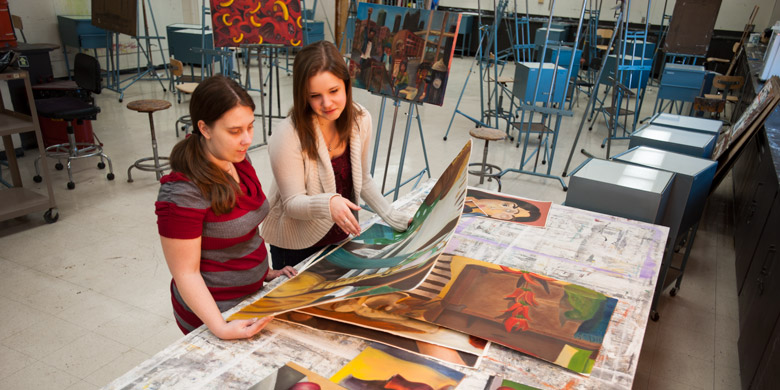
[(486, 169), (155, 163), (730, 98), (487, 134), (187, 87), (149, 105)]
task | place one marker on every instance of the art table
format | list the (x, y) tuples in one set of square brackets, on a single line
[(615, 256)]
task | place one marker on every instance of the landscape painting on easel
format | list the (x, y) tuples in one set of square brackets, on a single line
[(238, 22), (402, 52)]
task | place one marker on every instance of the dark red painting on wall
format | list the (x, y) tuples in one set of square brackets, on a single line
[(238, 22)]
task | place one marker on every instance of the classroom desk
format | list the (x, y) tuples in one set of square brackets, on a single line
[(613, 255)]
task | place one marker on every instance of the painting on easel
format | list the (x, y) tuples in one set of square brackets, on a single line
[(402, 52), (238, 22)]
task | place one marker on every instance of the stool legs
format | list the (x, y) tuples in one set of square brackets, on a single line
[(485, 169), (71, 151), (156, 167)]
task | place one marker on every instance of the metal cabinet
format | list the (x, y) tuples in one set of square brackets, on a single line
[(755, 187), (758, 306)]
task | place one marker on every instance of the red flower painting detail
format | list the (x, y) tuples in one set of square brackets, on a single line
[(522, 299), (238, 22)]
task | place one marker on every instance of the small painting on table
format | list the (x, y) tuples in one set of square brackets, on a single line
[(383, 367), (505, 207)]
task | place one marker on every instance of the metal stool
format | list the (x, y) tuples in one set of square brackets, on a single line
[(149, 106), (485, 169)]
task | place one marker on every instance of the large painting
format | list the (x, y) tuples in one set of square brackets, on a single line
[(402, 52), (434, 351), (238, 22), (382, 367), (358, 312), (553, 320), (505, 207), (380, 260)]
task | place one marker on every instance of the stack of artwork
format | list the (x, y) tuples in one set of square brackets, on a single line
[(402, 289), (753, 117), (238, 22), (402, 52)]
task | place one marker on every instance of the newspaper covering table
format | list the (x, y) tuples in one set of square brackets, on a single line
[(612, 255)]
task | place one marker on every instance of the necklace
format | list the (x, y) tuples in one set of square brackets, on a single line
[(329, 142)]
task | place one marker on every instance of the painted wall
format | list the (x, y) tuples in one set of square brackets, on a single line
[(733, 14)]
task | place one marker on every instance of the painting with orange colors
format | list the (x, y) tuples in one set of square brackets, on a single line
[(358, 312), (434, 351), (550, 319), (380, 260), (505, 207), (238, 22), (383, 367)]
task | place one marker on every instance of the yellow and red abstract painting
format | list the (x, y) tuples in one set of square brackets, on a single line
[(238, 22)]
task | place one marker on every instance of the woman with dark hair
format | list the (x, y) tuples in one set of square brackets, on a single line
[(208, 211), (319, 157)]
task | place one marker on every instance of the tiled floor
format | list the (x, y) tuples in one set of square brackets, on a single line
[(85, 299)]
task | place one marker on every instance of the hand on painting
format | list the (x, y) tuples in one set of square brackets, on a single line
[(241, 329), (341, 214), (287, 271)]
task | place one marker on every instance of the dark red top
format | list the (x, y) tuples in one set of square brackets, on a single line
[(342, 170)]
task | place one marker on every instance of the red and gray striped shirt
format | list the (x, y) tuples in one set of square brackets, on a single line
[(233, 255)]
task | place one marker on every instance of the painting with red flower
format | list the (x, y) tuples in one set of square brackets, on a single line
[(557, 321), (238, 22)]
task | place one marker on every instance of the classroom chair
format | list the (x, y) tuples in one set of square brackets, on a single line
[(86, 74)]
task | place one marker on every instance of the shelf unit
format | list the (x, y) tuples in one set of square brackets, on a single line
[(18, 201)]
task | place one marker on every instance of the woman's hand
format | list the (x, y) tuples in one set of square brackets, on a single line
[(286, 271), (241, 329), (341, 214)]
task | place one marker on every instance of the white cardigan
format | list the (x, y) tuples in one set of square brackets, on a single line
[(302, 189)]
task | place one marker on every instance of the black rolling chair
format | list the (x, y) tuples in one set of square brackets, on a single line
[(86, 73)]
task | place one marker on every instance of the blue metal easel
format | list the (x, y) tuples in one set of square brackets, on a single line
[(114, 83), (411, 113), (551, 110), (629, 79), (491, 87)]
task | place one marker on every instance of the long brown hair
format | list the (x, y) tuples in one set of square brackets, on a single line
[(212, 98), (322, 56)]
